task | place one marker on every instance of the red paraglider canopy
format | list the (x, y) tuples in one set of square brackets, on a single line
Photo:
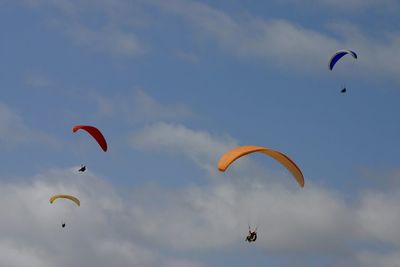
[(95, 133)]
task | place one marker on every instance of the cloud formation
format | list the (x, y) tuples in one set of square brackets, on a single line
[(200, 146), (141, 107), (279, 41), (287, 43), (355, 6), (122, 229), (295, 221), (14, 131), (94, 234), (157, 226), (108, 37), (112, 41)]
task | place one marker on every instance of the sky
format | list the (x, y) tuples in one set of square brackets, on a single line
[(175, 84)]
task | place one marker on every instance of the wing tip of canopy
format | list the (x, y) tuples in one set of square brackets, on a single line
[(77, 127), (233, 154)]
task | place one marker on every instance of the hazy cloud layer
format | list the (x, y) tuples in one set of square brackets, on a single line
[(141, 107), (153, 225), (366, 3), (94, 234), (379, 216), (109, 40), (290, 215), (351, 6), (286, 43), (200, 146), (14, 131), (119, 229), (109, 223), (278, 41), (111, 36)]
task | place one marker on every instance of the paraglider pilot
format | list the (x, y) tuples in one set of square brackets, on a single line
[(252, 236), (82, 169)]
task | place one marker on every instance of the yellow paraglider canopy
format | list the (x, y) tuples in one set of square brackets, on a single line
[(229, 157), (72, 198)]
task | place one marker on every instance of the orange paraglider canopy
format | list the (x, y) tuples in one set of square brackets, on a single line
[(95, 133), (229, 157)]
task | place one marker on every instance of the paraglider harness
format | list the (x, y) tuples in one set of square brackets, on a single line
[(252, 236), (82, 168)]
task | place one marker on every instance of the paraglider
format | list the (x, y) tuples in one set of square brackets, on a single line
[(95, 133), (335, 59), (252, 236), (229, 157), (69, 197)]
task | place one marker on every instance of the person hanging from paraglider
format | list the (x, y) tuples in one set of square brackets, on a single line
[(82, 168), (344, 89), (337, 57), (96, 134), (252, 236), (63, 196)]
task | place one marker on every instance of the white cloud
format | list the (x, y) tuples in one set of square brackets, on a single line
[(106, 228), (12, 255), (220, 212), (112, 40), (183, 263), (288, 215), (146, 107), (200, 146), (217, 217), (344, 6), (152, 226), (379, 216), (13, 130), (287, 44), (371, 259), (278, 41), (141, 107), (354, 6), (282, 41), (109, 37), (96, 233), (126, 252)]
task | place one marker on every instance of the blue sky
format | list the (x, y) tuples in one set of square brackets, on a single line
[(173, 85)]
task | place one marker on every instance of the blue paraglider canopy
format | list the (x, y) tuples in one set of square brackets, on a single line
[(338, 55)]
